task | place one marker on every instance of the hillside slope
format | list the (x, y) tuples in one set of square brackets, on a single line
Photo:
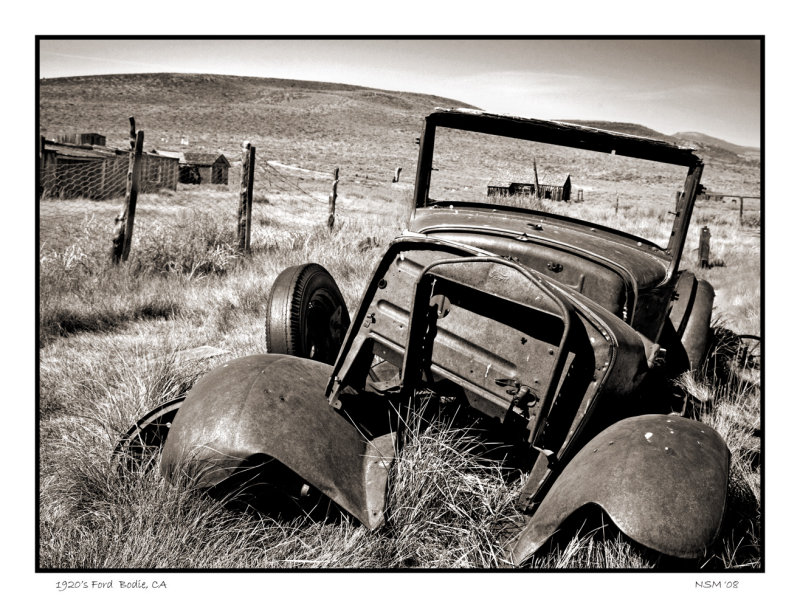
[(719, 147), (706, 146), (298, 122), (314, 125)]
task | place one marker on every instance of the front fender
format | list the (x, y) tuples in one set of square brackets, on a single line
[(275, 405), (662, 480)]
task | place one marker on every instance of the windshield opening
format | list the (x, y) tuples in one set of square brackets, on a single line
[(628, 194)]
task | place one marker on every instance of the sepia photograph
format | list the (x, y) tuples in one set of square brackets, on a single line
[(399, 304)]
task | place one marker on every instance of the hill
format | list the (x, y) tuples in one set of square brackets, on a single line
[(701, 140), (298, 122), (620, 127), (314, 125), (708, 147)]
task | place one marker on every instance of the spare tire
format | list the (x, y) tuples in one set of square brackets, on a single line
[(306, 314)]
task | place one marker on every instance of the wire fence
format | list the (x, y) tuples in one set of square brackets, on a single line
[(95, 172)]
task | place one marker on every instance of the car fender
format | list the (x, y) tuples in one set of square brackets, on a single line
[(274, 405), (690, 315), (662, 480)]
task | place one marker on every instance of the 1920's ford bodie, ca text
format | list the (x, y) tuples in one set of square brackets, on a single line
[(562, 332)]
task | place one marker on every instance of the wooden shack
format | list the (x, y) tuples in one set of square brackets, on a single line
[(159, 171), (97, 172), (77, 171), (557, 187), (82, 139), (204, 168)]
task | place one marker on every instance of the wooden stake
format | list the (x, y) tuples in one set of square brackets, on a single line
[(250, 183), (704, 251), (332, 199), (123, 231), (246, 197)]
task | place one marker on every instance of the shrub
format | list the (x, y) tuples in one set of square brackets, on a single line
[(195, 243)]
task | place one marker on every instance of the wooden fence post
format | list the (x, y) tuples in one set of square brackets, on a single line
[(123, 224), (332, 199), (741, 209), (246, 196), (704, 251), (250, 184), (40, 168)]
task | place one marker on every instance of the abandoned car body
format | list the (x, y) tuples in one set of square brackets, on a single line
[(563, 332)]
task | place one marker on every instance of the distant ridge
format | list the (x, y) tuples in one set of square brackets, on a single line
[(217, 112), (620, 127), (705, 145), (708, 140)]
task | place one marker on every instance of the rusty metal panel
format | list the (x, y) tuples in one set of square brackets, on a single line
[(662, 479), (496, 330), (274, 405), (563, 134)]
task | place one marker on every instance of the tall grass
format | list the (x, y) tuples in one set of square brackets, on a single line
[(111, 343)]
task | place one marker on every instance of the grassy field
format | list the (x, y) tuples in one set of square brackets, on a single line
[(110, 349), (114, 342)]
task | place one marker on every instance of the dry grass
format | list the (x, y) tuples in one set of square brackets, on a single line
[(111, 338), (109, 351)]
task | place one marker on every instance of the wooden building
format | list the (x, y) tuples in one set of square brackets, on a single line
[(97, 172), (204, 168), (557, 187), (159, 172), (82, 139)]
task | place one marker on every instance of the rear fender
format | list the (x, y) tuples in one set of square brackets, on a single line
[(661, 479), (275, 406), (690, 315)]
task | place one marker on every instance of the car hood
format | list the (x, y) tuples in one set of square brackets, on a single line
[(644, 262)]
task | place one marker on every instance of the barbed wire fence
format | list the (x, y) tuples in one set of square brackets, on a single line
[(79, 167)]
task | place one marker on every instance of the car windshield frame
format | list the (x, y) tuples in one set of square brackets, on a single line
[(567, 135)]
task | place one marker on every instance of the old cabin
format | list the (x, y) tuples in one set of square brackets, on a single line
[(159, 171), (555, 186), (82, 139), (204, 168), (85, 170)]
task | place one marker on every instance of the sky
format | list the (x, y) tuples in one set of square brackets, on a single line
[(708, 85)]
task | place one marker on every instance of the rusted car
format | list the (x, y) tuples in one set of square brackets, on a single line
[(562, 333)]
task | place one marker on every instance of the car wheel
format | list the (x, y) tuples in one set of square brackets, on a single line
[(141, 444), (306, 314)]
